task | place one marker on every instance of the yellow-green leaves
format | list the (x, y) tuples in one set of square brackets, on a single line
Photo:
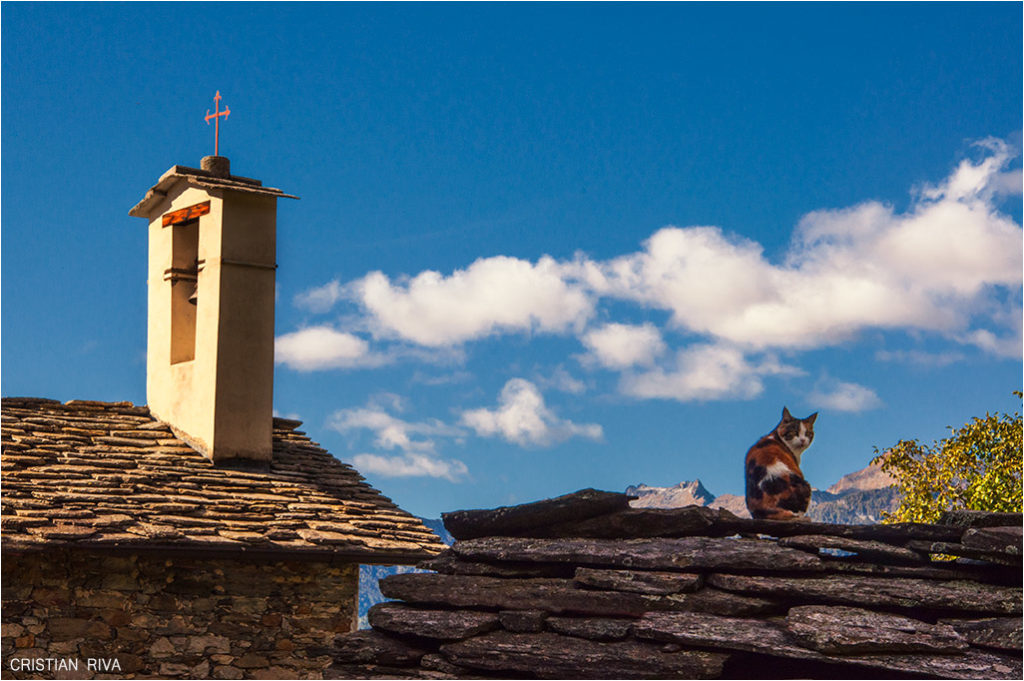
[(977, 467)]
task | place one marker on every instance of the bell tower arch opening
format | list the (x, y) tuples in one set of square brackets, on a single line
[(183, 276)]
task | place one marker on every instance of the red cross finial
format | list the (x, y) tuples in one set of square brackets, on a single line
[(217, 113)]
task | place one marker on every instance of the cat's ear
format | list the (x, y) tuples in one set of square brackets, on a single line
[(786, 416), (810, 419)]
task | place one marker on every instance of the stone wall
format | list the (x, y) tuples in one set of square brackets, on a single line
[(171, 617), (585, 587)]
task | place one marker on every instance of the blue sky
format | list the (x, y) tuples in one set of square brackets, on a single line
[(549, 246)]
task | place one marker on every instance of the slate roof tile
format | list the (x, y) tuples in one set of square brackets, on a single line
[(107, 475)]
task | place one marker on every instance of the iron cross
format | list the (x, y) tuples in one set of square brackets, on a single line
[(217, 113)]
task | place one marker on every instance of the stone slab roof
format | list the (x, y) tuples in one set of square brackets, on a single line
[(200, 178), (107, 475), (585, 587)]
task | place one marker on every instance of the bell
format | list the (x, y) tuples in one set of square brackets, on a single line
[(194, 270)]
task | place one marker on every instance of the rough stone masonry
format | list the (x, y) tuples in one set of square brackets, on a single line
[(583, 586), (168, 617)]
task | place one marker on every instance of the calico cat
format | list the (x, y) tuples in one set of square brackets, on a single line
[(776, 488)]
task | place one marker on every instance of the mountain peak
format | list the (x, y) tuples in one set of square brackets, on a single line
[(866, 479), (685, 493)]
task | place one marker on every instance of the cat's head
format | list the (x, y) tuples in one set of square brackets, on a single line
[(796, 433)]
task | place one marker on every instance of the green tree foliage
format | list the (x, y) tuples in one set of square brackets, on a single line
[(977, 467)]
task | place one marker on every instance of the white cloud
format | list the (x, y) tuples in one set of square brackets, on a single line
[(416, 441), (560, 379), (440, 379), (978, 180), (522, 418), (492, 295), (384, 400), (391, 432), (621, 346), (410, 465), (947, 266), (1001, 345), (321, 298), (919, 357), (322, 347), (705, 372), (846, 397), (1009, 183), (696, 273), (847, 270)]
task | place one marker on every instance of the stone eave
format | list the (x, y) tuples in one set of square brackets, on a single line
[(200, 178), (364, 557)]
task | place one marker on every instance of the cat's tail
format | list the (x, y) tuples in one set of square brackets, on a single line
[(777, 514)]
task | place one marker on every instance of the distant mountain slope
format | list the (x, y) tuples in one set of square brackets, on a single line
[(369, 588), (683, 494), (866, 479), (436, 525), (853, 507), (733, 503), (858, 498), (370, 575)]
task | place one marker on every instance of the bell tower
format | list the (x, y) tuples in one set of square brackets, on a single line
[(210, 341)]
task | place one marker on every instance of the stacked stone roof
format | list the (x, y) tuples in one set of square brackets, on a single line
[(106, 475), (583, 586)]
